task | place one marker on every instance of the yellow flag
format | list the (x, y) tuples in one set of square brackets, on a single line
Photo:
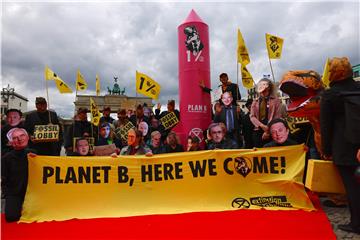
[(326, 74), (49, 74), (247, 79), (242, 52), (274, 46), (147, 86), (62, 86), (80, 82), (95, 113), (97, 85)]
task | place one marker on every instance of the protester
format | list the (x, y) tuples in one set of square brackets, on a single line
[(193, 144), (229, 117), (144, 128), (82, 148), (226, 86), (279, 131), (335, 144), (247, 126), (80, 127), (147, 110), (218, 141), (267, 107), (13, 119), (139, 116), (135, 144), (155, 144), (14, 173), (106, 115), (42, 116), (156, 126), (172, 144), (170, 108), (122, 120), (107, 136)]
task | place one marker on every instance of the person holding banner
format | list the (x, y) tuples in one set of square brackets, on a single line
[(135, 144), (40, 119), (267, 107), (13, 119), (107, 136), (82, 148), (340, 140), (279, 131), (155, 144), (14, 173), (218, 139), (193, 144), (172, 143), (81, 127)]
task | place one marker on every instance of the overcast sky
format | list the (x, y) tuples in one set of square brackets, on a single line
[(116, 39)]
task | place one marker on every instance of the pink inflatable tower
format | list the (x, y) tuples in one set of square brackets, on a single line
[(194, 65)]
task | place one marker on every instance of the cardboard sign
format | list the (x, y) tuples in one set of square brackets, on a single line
[(105, 150), (169, 120), (90, 140), (46, 133), (122, 132)]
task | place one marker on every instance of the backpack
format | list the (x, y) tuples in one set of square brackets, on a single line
[(352, 115)]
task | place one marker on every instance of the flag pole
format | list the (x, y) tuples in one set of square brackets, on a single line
[(47, 96), (272, 72)]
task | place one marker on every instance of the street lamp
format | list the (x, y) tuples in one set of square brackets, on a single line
[(6, 92)]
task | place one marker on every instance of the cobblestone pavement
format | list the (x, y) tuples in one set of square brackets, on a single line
[(338, 216)]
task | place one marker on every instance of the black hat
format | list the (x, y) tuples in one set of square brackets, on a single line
[(39, 100), (13, 110)]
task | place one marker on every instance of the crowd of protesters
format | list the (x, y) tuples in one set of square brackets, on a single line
[(261, 124)]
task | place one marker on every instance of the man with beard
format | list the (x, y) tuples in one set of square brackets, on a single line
[(43, 116)]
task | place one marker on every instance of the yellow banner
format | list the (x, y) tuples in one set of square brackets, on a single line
[(49, 74), (62, 86), (97, 85), (242, 52), (147, 86), (94, 113), (247, 79), (274, 46), (80, 82), (61, 188)]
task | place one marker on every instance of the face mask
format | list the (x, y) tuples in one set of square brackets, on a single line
[(107, 131)]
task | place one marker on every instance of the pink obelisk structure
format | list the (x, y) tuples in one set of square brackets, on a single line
[(194, 66)]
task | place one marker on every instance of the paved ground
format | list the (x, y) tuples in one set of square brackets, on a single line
[(339, 216)]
